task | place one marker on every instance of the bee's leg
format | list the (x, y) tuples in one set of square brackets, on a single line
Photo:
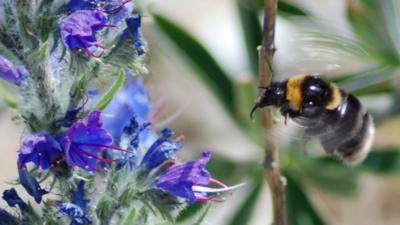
[(287, 111)]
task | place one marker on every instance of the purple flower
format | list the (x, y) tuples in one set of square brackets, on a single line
[(189, 180), (11, 73), (12, 198), (40, 148), (77, 210), (7, 219), (179, 179), (78, 30), (131, 101), (31, 185), (134, 33), (83, 142), (74, 5), (160, 151), (107, 6)]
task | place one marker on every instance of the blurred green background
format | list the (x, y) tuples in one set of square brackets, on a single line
[(203, 64)]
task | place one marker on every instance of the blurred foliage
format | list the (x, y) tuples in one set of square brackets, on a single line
[(376, 41)]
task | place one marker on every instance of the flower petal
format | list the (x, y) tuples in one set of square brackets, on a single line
[(9, 72), (178, 180), (40, 148), (31, 185)]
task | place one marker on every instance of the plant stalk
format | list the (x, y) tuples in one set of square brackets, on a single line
[(271, 161)]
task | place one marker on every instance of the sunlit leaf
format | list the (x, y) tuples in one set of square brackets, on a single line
[(300, 210), (244, 212), (209, 70)]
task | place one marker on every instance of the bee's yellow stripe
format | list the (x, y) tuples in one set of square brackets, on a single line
[(336, 98), (293, 91)]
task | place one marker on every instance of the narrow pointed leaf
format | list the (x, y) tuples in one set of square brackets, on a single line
[(107, 97), (243, 213), (369, 82), (287, 8), (331, 177), (300, 210), (252, 32), (383, 161), (189, 212), (209, 70), (200, 220), (368, 23)]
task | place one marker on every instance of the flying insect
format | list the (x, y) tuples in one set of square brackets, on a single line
[(335, 117)]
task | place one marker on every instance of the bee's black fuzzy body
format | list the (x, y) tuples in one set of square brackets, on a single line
[(337, 118)]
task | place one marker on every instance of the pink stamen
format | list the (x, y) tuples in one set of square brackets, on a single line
[(90, 53), (207, 199), (214, 181), (170, 119), (100, 46), (160, 107)]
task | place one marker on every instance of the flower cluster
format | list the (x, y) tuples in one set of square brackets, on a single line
[(63, 153)]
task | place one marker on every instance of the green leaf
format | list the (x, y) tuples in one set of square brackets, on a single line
[(107, 97), (369, 82), (130, 217), (252, 32), (244, 212), (383, 161), (331, 177), (287, 8), (368, 23), (189, 212), (200, 220), (209, 70), (300, 210), (5, 95)]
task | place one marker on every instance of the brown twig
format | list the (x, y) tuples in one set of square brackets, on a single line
[(271, 161)]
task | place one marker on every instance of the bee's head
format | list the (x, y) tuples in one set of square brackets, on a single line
[(273, 95)]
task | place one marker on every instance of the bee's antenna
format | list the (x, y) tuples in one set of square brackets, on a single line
[(256, 106)]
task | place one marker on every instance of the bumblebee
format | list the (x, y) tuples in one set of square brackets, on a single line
[(337, 118)]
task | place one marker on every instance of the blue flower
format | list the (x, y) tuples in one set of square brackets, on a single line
[(7, 219), (133, 33), (161, 150), (77, 210), (189, 180), (40, 148), (74, 5), (131, 101), (78, 30), (78, 216), (179, 179), (83, 142), (12, 199), (107, 6), (11, 73), (78, 197), (31, 185), (134, 136)]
